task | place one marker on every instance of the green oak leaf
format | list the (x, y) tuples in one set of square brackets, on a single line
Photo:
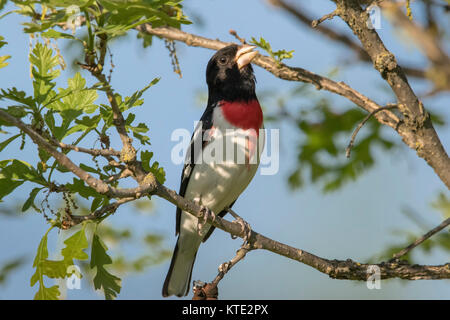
[(45, 293), (57, 269), (30, 201), (8, 141), (18, 96), (83, 190), (158, 171), (44, 70), (51, 33), (110, 284), (14, 173), (7, 186), (76, 97), (75, 246)]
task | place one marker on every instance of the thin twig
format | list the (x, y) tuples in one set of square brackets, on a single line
[(225, 267), (426, 236), (72, 220), (94, 152), (209, 291), (352, 140), (328, 16), (234, 214), (121, 175), (234, 34)]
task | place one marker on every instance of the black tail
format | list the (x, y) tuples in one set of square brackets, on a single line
[(178, 278)]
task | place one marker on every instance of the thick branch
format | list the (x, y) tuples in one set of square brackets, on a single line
[(337, 269), (416, 129), (301, 15)]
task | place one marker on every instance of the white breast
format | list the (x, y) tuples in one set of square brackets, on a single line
[(230, 161)]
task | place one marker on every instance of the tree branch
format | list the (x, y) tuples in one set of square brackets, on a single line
[(352, 140), (337, 269), (93, 152), (328, 16), (301, 15), (146, 188), (280, 70), (416, 128), (128, 153), (426, 236), (209, 291), (72, 220), (428, 44)]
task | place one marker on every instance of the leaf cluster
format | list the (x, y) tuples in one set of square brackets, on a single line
[(324, 133), (278, 55), (71, 113), (60, 114), (59, 269)]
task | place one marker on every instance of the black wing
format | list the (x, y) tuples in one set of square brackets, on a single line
[(192, 154)]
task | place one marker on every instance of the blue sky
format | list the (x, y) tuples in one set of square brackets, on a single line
[(355, 222)]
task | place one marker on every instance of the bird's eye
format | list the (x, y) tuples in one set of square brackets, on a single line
[(223, 60)]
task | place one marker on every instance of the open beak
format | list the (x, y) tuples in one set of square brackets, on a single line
[(245, 55)]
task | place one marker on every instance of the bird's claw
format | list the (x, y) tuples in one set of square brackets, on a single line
[(225, 267), (245, 228), (206, 213)]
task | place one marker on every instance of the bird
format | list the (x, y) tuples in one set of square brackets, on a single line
[(233, 114)]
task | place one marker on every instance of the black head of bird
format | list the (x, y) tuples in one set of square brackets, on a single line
[(229, 74)]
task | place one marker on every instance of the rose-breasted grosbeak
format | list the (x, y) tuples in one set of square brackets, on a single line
[(231, 123)]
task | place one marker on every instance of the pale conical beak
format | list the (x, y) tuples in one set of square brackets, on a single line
[(245, 55)]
